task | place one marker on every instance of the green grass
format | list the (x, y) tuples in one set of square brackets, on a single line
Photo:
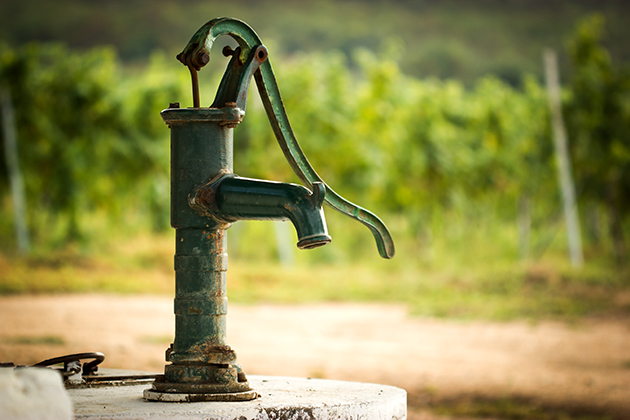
[(456, 278), (157, 339), (513, 409), (137, 266), (48, 340)]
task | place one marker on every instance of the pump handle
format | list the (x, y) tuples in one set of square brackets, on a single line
[(196, 55)]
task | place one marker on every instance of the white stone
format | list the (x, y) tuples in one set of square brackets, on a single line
[(33, 394), (280, 398)]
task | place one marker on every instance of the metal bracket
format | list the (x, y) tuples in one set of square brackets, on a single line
[(72, 363)]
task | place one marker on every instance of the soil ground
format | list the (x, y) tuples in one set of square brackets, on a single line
[(578, 368)]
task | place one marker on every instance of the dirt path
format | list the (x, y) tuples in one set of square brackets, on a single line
[(586, 366)]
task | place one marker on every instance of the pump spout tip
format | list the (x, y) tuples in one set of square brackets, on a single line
[(314, 241)]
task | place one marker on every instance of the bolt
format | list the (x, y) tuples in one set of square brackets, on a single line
[(173, 105), (202, 58), (206, 197), (227, 51), (261, 54)]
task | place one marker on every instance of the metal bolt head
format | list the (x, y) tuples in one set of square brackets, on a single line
[(202, 58)]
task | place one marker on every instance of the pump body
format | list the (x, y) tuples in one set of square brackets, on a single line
[(206, 197)]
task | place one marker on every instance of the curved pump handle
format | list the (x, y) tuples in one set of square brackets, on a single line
[(196, 55)]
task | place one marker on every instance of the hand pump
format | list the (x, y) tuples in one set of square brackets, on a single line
[(206, 197)]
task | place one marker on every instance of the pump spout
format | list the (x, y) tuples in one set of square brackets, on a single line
[(233, 198)]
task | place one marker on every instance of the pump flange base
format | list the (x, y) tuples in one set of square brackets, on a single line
[(151, 395)]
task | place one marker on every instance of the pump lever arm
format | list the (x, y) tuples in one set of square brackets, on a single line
[(270, 95), (195, 56)]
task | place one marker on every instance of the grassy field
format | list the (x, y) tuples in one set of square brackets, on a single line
[(463, 274), (461, 277)]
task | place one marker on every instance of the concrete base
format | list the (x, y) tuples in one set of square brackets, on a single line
[(279, 398)]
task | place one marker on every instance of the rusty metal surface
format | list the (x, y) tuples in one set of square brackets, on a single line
[(231, 198), (88, 377), (113, 379), (72, 363)]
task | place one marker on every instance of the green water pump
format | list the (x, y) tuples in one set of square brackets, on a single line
[(206, 197)]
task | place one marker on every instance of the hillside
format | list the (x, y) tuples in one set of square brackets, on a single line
[(447, 39)]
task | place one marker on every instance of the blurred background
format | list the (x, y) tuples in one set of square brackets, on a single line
[(433, 114)]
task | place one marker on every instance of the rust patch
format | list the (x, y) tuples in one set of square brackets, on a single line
[(205, 347), (206, 197)]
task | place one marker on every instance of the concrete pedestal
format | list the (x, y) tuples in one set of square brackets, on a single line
[(280, 398)]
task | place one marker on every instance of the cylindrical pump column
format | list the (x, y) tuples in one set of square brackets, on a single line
[(203, 367), (200, 296)]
